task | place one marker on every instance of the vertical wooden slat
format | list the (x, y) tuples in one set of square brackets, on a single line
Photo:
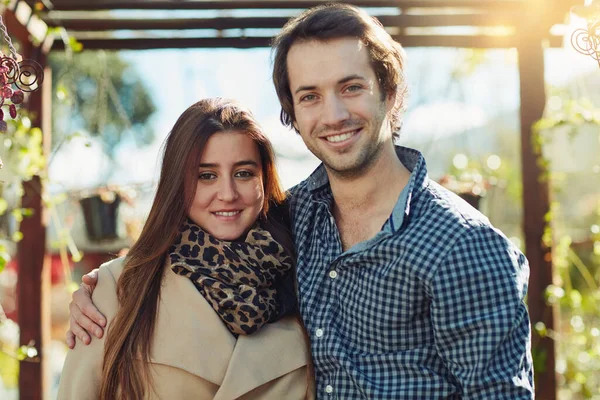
[(536, 204), (33, 295), (34, 269)]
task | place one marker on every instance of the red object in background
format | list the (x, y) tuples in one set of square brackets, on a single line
[(57, 276)]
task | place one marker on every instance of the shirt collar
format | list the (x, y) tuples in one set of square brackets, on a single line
[(318, 179), (412, 159)]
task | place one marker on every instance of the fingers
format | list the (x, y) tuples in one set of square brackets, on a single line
[(78, 331), (85, 319), (70, 339), (82, 299), (91, 278)]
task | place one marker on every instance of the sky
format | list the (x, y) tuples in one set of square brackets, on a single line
[(438, 105)]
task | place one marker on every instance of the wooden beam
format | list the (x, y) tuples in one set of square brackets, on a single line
[(15, 26), (78, 5), (170, 43), (220, 23), (169, 24), (23, 24), (485, 42), (536, 204)]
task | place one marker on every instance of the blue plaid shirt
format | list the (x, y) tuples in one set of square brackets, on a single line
[(431, 307)]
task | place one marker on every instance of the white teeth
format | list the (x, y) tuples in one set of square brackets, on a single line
[(227, 214), (340, 138)]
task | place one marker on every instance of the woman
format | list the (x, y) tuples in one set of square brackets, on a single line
[(197, 309)]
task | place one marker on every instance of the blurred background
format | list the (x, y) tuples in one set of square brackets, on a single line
[(111, 110)]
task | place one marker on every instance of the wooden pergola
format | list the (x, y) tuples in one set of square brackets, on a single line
[(113, 25)]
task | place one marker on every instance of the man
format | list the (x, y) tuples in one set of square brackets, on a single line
[(406, 291)]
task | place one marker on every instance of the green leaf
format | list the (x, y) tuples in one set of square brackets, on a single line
[(3, 206), (27, 212), (575, 298), (539, 359), (61, 92), (26, 351), (75, 45), (4, 258), (540, 328), (17, 214), (17, 237)]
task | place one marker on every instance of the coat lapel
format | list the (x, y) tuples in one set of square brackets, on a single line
[(188, 334), (275, 350)]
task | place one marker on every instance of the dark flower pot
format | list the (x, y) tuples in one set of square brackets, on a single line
[(100, 217)]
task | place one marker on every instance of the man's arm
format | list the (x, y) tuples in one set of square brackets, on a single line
[(85, 319), (480, 321)]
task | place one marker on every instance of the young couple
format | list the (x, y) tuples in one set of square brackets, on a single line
[(403, 290)]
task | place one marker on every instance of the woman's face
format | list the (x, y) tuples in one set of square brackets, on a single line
[(230, 190)]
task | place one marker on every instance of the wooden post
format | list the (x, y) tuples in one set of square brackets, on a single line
[(33, 287), (536, 204), (34, 269)]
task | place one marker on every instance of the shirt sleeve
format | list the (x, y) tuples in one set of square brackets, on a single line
[(480, 321), (82, 372)]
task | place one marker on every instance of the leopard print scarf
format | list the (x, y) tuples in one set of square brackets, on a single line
[(240, 280)]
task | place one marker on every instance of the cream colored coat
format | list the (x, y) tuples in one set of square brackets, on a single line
[(193, 354)]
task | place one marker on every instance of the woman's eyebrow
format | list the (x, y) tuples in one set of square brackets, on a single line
[(237, 164)]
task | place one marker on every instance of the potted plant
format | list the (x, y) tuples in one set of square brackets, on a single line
[(469, 179), (101, 211)]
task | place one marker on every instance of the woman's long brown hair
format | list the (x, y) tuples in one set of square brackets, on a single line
[(126, 369)]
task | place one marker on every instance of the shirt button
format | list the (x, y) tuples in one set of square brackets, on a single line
[(319, 332), (328, 389), (333, 274)]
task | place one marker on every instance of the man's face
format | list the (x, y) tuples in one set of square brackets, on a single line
[(338, 105)]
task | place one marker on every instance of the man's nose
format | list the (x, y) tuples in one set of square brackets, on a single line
[(335, 111)]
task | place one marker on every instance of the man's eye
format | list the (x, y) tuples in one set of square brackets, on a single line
[(353, 88), (205, 176), (308, 97)]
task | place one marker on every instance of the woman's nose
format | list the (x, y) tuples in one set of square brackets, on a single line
[(227, 190)]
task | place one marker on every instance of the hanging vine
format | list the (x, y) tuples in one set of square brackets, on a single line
[(577, 264)]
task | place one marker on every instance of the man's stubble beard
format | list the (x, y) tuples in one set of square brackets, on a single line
[(365, 160), (367, 156)]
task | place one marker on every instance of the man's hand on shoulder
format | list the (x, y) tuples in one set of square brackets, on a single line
[(85, 319)]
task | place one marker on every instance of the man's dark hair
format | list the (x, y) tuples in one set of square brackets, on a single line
[(336, 21)]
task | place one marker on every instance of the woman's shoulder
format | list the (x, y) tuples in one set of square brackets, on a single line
[(114, 267), (104, 295)]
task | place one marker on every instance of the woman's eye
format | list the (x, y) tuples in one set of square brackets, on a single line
[(244, 174), (205, 176)]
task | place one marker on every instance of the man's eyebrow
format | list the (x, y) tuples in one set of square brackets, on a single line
[(343, 80), (303, 88), (237, 164), (351, 78)]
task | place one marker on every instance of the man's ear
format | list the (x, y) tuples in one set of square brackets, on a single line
[(390, 100)]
